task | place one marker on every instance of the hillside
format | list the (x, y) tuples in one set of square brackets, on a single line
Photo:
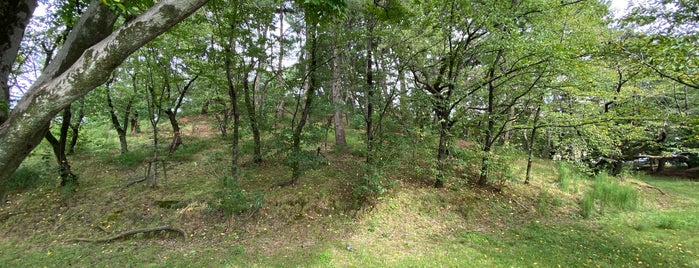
[(320, 223)]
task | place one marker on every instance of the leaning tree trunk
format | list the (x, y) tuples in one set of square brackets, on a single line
[(57, 88), (176, 136), (172, 116)]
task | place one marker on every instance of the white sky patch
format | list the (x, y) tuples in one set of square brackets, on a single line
[(40, 10), (620, 8)]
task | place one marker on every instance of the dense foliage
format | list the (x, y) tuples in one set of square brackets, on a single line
[(556, 79)]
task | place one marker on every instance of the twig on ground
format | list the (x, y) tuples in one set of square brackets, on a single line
[(133, 232)]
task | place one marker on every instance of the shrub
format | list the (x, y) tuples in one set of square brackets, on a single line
[(370, 187), (500, 165), (233, 200), (28, 177)]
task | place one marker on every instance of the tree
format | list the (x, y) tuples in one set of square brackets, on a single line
[(57, 88), (315, 13), (664, 17), (668, 33), (15, 17), (121, 128)]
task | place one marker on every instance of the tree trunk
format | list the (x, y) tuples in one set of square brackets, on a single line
[(279, 109), (222, 119), (172, 116), (59, 149), (58, 87), (75, 127), (205, 108), (155, 160), (15, 17), (121, 130), (489, 133), (233, 95), (312, 38), (340, 140), (252, 116), (506, 136), (370, 90), (134, 123), (530, 145), (176, 139), (442, 153)]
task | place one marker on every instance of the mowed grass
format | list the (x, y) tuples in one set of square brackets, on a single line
[(320, 224)]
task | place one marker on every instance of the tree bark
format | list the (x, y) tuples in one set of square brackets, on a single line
[(75, 127), (134, 123), (172, 116), (155, 102), (205, 108), (176, 139), (530, 145), (252, 116), (120, 129), (279, 109), (442, 153), (340, 140), (233, 95), (15, 17), (370, 90), (56, 89), (490, 135), (59, 149)]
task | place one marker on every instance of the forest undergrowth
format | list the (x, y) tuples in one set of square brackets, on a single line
[(563, 218)]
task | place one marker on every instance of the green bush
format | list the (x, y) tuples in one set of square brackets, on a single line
[(233, 200), (607, 192), (370, 187), (29, 177), (500, 165)]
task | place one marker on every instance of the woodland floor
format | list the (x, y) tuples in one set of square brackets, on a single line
[(321, 224)]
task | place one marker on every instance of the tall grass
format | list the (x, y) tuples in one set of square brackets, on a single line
[(607, 193), (567, 173)]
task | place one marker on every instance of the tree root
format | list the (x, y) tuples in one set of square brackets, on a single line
[(649, 186), (133, 182), (133, 232)]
